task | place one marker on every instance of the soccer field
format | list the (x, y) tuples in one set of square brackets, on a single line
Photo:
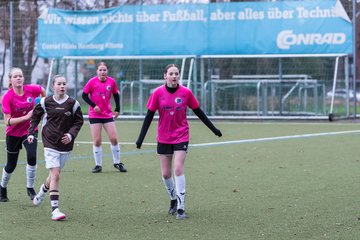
[(262, 180)]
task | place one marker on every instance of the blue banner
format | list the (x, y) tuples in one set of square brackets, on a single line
[(244, 28)]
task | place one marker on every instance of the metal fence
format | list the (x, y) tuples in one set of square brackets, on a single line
[(225, 86), (289, 87)]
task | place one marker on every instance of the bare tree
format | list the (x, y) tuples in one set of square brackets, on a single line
[(3, 36), (25, 29)]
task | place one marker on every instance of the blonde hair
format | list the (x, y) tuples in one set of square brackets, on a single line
[(11, 72)]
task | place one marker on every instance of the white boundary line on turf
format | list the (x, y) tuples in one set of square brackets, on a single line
[(249, 140), (214, 143), (310, 135), (275, 138)]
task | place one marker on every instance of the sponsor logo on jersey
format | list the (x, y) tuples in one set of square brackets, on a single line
[(167, 108), (287, 39), (178, 100)]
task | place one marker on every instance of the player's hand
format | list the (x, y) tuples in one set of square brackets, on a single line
[(30, 139), (97, 109), (66, 139), (138, 144), (116, 114), (29, 114), (218, 133)]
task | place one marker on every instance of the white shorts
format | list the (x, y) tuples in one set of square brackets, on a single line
[(55, 159)]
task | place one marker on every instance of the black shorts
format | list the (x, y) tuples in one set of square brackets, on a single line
[(14, 144), (100, 120), (165, 149)]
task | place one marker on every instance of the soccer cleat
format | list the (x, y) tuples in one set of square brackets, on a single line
[(39, 198), (120, 166), (96, 169), (3, 194), (56, 215), (31, 193), (173, 206), (180, 215)]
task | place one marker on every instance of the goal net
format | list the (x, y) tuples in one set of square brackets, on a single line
[(228, 86)]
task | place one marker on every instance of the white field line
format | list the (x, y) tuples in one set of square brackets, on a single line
[(311, 135)]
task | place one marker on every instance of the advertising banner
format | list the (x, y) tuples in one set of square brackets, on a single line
[(244, 28)]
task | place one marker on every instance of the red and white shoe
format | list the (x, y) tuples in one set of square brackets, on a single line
[(57, 215)]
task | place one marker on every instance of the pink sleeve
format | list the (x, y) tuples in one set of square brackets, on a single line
[(193, 102), (37, 89), (6, 104), (86, 88), (116, 89), (33, 89), (152, 103)]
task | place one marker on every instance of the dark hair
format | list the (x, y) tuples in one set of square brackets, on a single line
[(53, 79), (101, 64), (169, 66)]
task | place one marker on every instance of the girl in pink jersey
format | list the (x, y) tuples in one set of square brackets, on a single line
[(171, 101), (17, 106), (97, 93)]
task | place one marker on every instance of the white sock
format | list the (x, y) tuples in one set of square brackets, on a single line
[(180, 191), (43, 190), (115, 150), (5, 178), (30, 175), (97, 155), (170, 187)]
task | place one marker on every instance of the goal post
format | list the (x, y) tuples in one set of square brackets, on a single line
[(135, 76), (229, 86), (276, 86)]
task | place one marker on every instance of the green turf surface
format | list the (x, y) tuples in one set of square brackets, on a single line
[(297, 188)]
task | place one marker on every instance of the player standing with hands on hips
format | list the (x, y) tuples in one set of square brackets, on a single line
[(100, 88), (171, 101), (17, 106), (62, 121)]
